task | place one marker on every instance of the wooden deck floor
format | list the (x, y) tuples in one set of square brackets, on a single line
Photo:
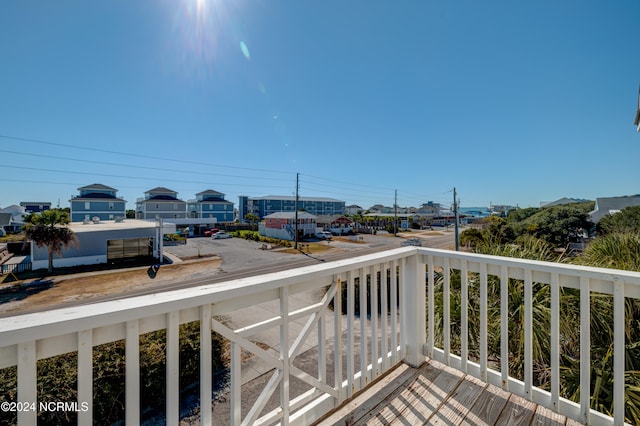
[(438, 395)]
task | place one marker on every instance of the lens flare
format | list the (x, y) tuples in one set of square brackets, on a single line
[(245, 50)]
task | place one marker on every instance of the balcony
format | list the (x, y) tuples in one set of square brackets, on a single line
[(362, 326)]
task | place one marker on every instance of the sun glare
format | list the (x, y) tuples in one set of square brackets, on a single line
[(197, 28), (200, 5)]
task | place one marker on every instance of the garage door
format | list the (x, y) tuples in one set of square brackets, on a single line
[(129, 248)]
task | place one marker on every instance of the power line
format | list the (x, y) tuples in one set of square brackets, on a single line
[(106, 163), (318, 184), (122, 177), (151, 157), (347, 183)]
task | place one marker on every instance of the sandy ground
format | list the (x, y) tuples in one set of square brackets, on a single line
[(57, 290)]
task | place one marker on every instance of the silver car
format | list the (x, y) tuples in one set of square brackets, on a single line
[(221, 235)]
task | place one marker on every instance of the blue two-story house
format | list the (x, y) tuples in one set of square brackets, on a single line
[(99, 201), (210, 204)]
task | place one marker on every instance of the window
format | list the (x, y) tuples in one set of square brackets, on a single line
[(87, 205), (111, 206)]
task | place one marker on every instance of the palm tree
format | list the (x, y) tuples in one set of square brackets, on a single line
[(49, 229)]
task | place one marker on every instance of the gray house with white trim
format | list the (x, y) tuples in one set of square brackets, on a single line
[(160, 202), (612, 205)]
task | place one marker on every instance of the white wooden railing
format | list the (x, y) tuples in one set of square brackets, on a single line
[(396, 322)]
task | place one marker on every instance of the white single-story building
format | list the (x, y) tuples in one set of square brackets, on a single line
[(282, 225), (106, 241)]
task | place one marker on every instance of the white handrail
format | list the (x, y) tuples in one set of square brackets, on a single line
[(401, 325)]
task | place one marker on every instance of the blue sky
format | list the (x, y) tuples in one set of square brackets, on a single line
[(509, 102)]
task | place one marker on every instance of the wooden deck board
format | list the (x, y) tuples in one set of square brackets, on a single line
[(435, 394), (393, 406), (518, 411), (357, 407), (487, 408), (426, 397), (456, 407), (546, 417)]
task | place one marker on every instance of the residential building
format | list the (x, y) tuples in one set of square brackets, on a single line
[(612, 205), (12, 219), (35, 206), (264, 206), (429, 208), (160, 202), (501, 209), (210, 204), (336, 224), (380, 209), (96, 201), (282, 225), (353, 209), (243, 208)]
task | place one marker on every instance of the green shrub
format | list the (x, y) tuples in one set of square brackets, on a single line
[(58, 381)]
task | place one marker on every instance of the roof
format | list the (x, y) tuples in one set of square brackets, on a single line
[(290, 215), (5, 219), (96, 195), (98, 186), (35, 203), (110, 225), (563, 201), (161, 189), (610, 205), (13, 209), (293, 198), (162, 197), (331, 218), (209, 191), (210, 200)]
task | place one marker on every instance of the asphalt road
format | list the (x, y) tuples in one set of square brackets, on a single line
[(240, 256)]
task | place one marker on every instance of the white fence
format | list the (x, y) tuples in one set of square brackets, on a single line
[(358, 336)]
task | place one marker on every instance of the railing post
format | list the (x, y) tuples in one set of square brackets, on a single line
[(27, 381), (413, 309), (132, 371), (284, 354), (205, 364)]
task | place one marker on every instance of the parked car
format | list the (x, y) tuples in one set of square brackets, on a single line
[(324, 235), (220, 235), (210, 232), (412, 242)]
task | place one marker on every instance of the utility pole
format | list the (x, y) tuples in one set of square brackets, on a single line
[(395, 214), (455, 212), (295, 245)]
